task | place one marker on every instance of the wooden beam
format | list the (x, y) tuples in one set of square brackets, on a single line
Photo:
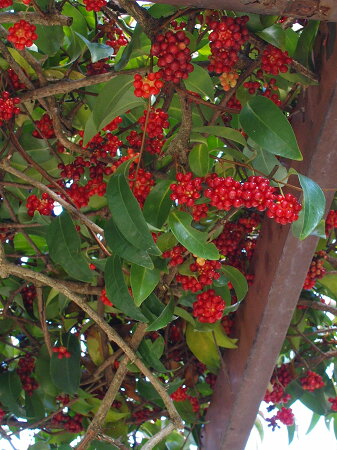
[(308, 9), (280, 265)]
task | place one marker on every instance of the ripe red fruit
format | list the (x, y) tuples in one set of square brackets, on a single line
[(22, 34), (312, 381), (148, 85), (209, 307), (104, 299), (275, 61), (44, 128), (8, 108), (187, 190), (62, 352), (94, 5)]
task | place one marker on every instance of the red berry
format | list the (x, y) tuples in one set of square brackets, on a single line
[(22, 34), (208, 307)]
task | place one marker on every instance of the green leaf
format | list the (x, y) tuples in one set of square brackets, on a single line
[(139, 45), (117, 290), (237, 279), (265, 162), (314, 420), (10, 388), (164, 318), (313, 207), (224, 132), (49, 39), (150, 356), (34, 407), (143, 281), (123, 248), (185, 411), (79, 23), (66, 372), (274, 35), (128, 216), (40, 446), (199, 160), (184, 315), (97, 51), (189, 237), (114, 99), (203, 347), (306, 42), (200, 82), (221, 337), (65, 248), (265, 123), (158, 204)]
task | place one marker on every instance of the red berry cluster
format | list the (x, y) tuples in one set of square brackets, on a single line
[(227, 323), (199, 211), (181, 395), (176, 255), (98, 67), (206, 273), (63, 399), (274, 60), (141, 183), (148, 85), (26, 366), (28, 294), (5, 3), (8, 108), (44, 206), (280, 379), (268, 89), (104, 299), (94, 5), (316, 270), (226, 38), (44, 128), (62, 352), (72, 424), (22, 34), (285, 416), (15, 81), (141, 416), (234, 103), (333, 401), (256, 192), (156, 122), (211, 380), (312, 381), (187, 190), (2, 412), (173, 55), (209, 307), (114, 124), (177, 26), (331, 221), (115, 35)]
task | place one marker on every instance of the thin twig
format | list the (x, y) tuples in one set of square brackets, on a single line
[(158, 437), (42, 316)]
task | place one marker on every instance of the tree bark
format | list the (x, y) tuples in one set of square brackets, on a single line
[(307, 9)]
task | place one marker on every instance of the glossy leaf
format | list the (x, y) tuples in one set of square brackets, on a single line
[(189, 237), (128, 216), (34, 407), (49, 38), (97, 51), (203, 347), (66, 372), (150, 356), (139, 45), (117, 290), (123, 248), (114, 99), (274, 35), (265, 123), (224, 132), (164, 318), (65, 248), (158, 204), (313, 205), (200, 82), (10, 388), (237, 279), (305, 43), (199, 160), (143, 281)]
